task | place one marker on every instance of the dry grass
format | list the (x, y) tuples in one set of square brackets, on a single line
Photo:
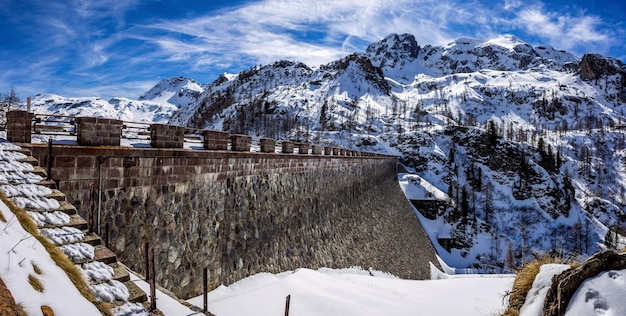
[(36, 268), (2, 219), (35, 283), (73, 272), (524, 282)]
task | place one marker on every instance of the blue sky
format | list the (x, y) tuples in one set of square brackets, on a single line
[(123, 47)]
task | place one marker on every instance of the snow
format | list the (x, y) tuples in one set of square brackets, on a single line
[(63, 235), (356, 292), (79, 251), (20, 253), (601, 295), (36, 202), (165, 303), (97, 271), (533, 306), (18, 177), (49, 218), (133, 309), (111, 291), (420, 188), (15, 165), (25, 190), (11, 155)]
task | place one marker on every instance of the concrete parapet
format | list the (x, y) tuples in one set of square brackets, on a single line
[(92, 131), (167, 136), (19, 126), (215, 140)]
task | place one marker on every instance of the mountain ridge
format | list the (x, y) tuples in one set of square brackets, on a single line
[(515, 135)]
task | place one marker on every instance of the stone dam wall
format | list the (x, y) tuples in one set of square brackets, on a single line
[(240, 213)]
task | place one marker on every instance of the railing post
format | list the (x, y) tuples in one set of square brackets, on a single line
[(205, 289), (49, 162), (92, 207), (153, 305), (147, 253), (287, 305)]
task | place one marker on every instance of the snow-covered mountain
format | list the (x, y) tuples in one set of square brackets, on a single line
[(521, 148), (156, 105), (178, 91), (526, 143)]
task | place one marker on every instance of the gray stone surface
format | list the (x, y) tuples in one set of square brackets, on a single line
[(240, 226)]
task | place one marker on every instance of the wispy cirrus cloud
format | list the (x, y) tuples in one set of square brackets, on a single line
[(85, 44), (565, 31), (311, 32), (317, 32)]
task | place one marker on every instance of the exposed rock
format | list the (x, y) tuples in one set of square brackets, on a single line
[(8, 306), (594, 66), (567, 283)]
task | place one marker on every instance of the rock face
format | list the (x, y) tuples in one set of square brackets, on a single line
[(594, 66), (567, 283)]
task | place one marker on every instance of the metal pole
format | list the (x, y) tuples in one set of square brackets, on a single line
[(106, 233), (287, 305), (100, 161), (49, 158), (152, 283), (205, 289), (147, 251), (92, 206)]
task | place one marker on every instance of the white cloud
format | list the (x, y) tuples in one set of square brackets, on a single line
[(512, 4), (564, 31), (277, 29)]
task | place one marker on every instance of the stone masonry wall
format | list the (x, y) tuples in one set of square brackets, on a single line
[(242, 213)]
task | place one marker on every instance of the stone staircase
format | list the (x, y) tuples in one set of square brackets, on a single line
[(56, 217)]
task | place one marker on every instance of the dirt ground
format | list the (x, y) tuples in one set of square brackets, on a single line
[(7, 303)]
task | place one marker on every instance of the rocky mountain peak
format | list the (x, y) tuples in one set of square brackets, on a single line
[(594, 66), (393, 48)]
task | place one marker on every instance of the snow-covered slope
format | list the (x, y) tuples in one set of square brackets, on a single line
[(179, 91)]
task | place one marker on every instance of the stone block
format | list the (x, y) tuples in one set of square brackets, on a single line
[(215, 140), (167, 136), (316, 150), (18, 126), (268, 145), (287, 147), (91, 131), (303, 148), (240, 142)]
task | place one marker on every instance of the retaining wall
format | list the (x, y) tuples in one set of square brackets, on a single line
[(240, 213)]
